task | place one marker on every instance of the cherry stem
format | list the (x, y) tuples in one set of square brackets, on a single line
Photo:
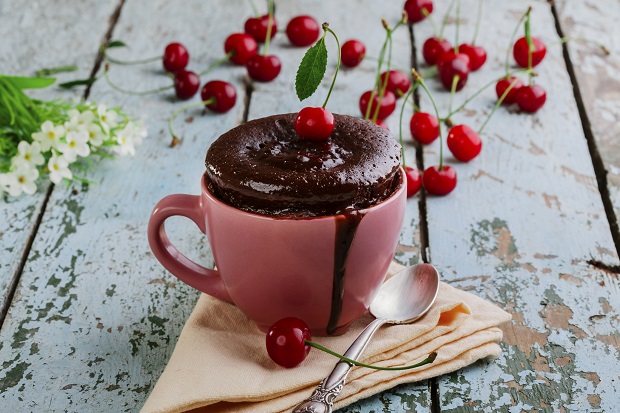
[(217, 63), (566, 39), (133, 92), (428, 360), (455, 81), (445, 19), (422, 83), (128, 63), (254, 9), (478, 20), (400, 122), (430, 19), (512, 40), (184, 108), (331, 87), (269, 27), (498, 104), (458, 25), (385, 81)]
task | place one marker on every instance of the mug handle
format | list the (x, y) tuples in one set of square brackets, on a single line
[(190, 206)]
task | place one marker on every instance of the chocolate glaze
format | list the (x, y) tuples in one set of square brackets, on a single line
[(263, 166)]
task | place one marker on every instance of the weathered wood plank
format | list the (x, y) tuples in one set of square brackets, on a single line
[(95, 317), (279, 97), (519, 229), (588, 24), (31, 44)]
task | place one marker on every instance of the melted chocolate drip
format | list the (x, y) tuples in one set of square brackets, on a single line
[(346, 227)]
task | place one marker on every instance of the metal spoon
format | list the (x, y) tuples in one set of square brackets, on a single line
[(402, 299)]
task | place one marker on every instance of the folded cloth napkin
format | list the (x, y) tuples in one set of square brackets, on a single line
[(220, 364)]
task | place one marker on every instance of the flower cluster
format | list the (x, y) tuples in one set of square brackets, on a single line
[(58, 149)]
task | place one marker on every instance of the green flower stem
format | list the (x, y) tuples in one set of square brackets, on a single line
[(400, 121), (498, 104), (478, 20), (53, 70), (530, 43), (133, 92), (215, 64), (131, 62), (512, 40), (420, 80), (566, 39), (445, 19), (269, 27), (184, 108), (331, 87), (428, 360)]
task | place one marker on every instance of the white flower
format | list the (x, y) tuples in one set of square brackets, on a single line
[(95, 135), (59, 169), (125, 139), (28, 155), (49, 136), (75, 145), (21, 180), (107, 118), (5, 182), (79, 121)]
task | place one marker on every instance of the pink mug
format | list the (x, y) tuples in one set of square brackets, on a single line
[(323, 270)]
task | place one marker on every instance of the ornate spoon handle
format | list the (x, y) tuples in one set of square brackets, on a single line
[(323, 396)]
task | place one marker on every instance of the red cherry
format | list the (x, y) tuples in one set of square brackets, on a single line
[(464, 143), (264, 68), (175, 57), (531, 98), (314, 123), (243, 46), (302, 30), (257, 27), (223, 94), (433, 48), (286, 342), (477, 55), (424, 127), (397, 82), (414, 181), (186, 84), (453, 64), (521, 51), (386, 105), (503, 84), (439, 181), (352, 53), (414, 9)]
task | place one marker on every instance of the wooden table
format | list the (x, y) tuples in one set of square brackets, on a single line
[(89, 318)]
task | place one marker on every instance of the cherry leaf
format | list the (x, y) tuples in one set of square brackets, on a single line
[(115, 43), (311, 70)]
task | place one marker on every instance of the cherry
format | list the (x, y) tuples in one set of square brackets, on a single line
[(464, 143), (397, 82), (439, 180), (386, 105), (352, 53), (186, 84), (175, 57), (414, 181), (433, 48), (531, 98), (264, 68), (417, 10), (302, 30), (222, 94), (257, 27), (424, 127), (477, 55), (241, 47), (314, 123), (503, 84), (381, 123), (521, 51), (286, 342), (450, 65)]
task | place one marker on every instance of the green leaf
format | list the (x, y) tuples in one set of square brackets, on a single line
[(115, 43), (81, 82), (311, 70), (23, 82)]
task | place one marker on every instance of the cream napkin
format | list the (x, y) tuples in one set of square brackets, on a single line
[(220, 364)]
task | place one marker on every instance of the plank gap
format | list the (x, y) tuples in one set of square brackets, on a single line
[(12, 287), (433, 389), (249, 89), (597, 161), (614, 269)]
